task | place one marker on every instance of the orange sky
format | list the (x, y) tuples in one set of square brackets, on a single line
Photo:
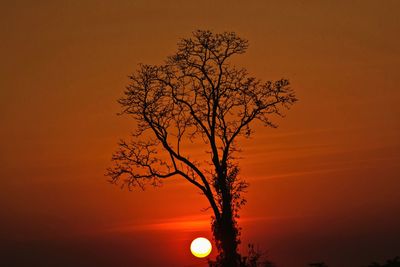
[(324, 185)]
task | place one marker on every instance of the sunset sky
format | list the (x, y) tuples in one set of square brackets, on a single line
[(324, 186)]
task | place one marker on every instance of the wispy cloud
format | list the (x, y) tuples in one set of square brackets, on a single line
[(186, 223), (303, 173)]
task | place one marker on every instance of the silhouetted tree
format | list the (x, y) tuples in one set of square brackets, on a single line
[(197, 96)]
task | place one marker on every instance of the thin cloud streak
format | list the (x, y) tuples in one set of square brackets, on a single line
[(188, 223)]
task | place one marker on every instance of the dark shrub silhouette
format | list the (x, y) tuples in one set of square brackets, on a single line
[(254, 258)]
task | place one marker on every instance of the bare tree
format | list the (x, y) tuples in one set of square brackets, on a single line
[(198, 96)]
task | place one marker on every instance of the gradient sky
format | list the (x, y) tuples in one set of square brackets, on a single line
[(324, 185)]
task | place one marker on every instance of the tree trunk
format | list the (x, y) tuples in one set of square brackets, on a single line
[(226, 235), (229, 242)]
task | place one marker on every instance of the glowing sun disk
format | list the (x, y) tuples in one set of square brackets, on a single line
[(200, 247)]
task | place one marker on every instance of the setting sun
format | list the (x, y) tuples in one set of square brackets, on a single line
[(200, 247)]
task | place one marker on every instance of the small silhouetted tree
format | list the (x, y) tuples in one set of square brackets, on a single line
[(254, 258), (198, 96)]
